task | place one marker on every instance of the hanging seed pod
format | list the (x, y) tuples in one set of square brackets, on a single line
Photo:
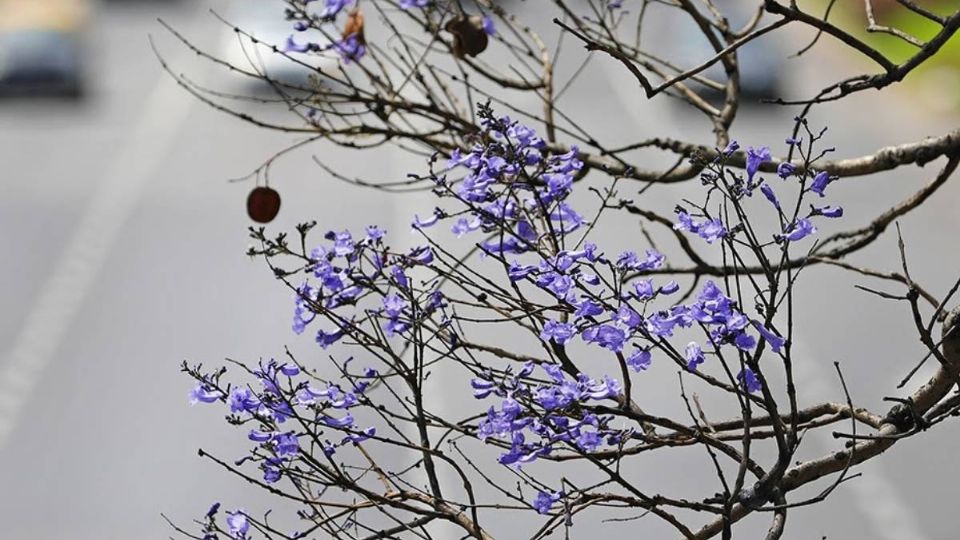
[(263, 204), (354, 26), (469, 37)]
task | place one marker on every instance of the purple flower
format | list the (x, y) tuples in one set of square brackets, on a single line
[(425, 223), (606, 335), (686, 223), (421, 255), (259, 436), (712, 230), (614, 4), (343, 244), (749, 380), (628, 317), (743, 340), (237, 524), (770, 195), (545, 500), (640, 360), (558, 332), (798, 230), (407, 4), (488, 26), (663, 323), (214, 508), (643, 289), (325, 339), (518, 271), (286, 444), (463, 226), (394, 304), (820, 182), (242, 400), (756, 156), (333, 7), (694, 355), (731, 148), (608, 388), (629, 260), (669, 287), (776, 342), (204, 393), (588, 308), (785, 169), (588, 441), (291, 46), (350, 48), (345, 422), (482, 388)]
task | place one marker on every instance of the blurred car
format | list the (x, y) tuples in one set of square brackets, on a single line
[(265, 20), (760, 61), (40, 47)]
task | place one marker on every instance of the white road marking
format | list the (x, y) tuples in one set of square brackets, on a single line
[(68, 287)]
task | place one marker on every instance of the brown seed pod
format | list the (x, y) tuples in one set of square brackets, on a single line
[(263, 204), (468, 35), (354, 25)]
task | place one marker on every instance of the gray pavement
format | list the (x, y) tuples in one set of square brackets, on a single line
[(124, 255)]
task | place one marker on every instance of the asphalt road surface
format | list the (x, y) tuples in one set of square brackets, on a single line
[(123, 255)]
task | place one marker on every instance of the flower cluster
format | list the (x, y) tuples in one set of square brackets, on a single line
[(795, 227), (284, 395), (535, 418), (508, 195), (347, 271), (511, 190)]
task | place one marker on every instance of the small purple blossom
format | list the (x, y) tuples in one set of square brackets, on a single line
[(204, 393), (350, 48), (694, 355), (820, 182), (332, 8), (785, 169), (798, 230), (545, 500), (237, 524), (776, 342), (749, 380), (669, 287), (607, 336), (756, 156), (770, 195), (488, 26), (558, 332), (712, 230), (639, 360)]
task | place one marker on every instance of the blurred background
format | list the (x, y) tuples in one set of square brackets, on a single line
[(124, 240)]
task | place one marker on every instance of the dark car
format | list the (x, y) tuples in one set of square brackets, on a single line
[(40, 47)]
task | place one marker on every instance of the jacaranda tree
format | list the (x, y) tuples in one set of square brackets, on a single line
[(482, 382)]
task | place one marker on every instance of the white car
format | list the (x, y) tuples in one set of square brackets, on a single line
[(265, 21)]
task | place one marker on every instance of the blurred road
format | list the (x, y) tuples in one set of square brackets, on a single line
[(124, 255)]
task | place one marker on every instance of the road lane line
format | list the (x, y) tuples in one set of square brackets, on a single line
[(60, 299)]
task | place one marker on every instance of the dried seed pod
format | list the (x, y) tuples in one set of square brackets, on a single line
[(263, 204), (468, 35), (354, 26)]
